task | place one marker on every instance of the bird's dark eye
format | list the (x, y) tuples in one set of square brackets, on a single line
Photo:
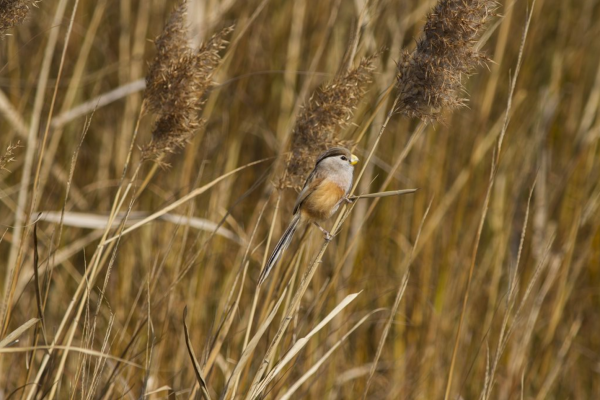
[(344, 158)]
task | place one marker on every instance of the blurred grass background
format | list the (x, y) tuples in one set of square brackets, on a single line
[(531, 321)]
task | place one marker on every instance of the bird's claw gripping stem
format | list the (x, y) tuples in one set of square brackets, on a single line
[(326, 233)]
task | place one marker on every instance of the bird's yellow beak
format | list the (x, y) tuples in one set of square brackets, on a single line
[(353, 160)]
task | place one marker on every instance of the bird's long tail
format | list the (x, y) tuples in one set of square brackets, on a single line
[(283, 243)]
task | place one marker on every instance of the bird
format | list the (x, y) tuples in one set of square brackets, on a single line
[(326, 187)]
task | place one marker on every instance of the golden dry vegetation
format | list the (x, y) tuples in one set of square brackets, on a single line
[(150, 157)]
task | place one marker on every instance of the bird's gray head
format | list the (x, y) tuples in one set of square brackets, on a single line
[(337, 159)]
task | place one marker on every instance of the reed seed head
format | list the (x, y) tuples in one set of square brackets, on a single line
[(429, 78), (327, 112), (13, 12), (176, 85)]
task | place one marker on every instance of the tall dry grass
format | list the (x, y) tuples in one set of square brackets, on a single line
[(148, 159)]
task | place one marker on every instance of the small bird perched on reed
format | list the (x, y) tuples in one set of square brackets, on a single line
[(325, 189)]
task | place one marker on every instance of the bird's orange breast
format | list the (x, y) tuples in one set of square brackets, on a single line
[(323, 201)]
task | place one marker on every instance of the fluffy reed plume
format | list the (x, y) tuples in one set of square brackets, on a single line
[(328, 110), (13, 12), (8, 156), (177, 82), (429, 78)]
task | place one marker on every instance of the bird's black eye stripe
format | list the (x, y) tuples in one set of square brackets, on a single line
[(344, 158)]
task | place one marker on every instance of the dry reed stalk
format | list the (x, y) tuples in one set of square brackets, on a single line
[(36, 181), (97, 102), (132, 41), (195, 363), (260, 386), (289, 313), (59, 236), (288, 394), (245, 356), (77, 349), (506, 330), (451, 195), (399, 295), (10, 339), (544, 392), (293, 59), (172, 206), (13, 269), (495, 162), (14, 118), (429, 78), (312, 70), (73, 88), (35, 192), (232, 307)]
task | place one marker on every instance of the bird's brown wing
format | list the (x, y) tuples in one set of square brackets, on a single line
[(312, 182)]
